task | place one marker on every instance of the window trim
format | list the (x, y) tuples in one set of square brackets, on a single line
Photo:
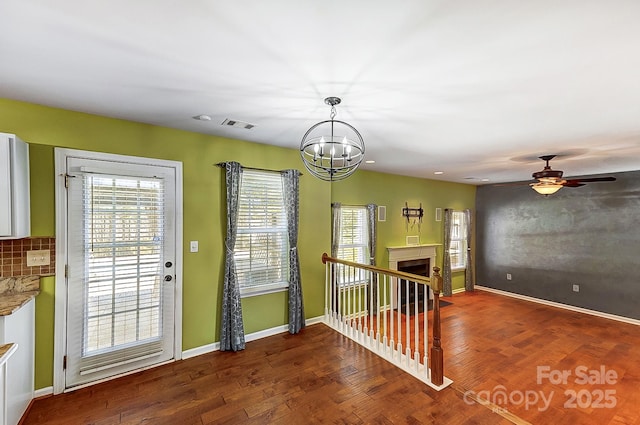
[(264, 290)]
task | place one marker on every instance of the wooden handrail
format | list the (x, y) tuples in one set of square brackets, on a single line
[(423, 280)]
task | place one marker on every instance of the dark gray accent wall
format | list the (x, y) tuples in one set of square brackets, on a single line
[(589, 236)]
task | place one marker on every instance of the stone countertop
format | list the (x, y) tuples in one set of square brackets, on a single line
[(16, 292), (6, 350)]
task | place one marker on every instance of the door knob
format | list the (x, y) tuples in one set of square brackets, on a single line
[(168, 278)]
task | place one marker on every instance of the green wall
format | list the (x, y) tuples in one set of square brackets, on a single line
[(204, 217), (204, 213), (393, 191)]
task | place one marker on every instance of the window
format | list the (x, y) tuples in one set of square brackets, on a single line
[(262, 243), (458, 249), (123, 239), (354, 243)]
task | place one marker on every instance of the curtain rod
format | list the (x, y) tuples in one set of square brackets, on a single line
[(224, 164), (352, 205)]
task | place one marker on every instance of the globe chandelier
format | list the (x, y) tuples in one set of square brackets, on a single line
[(332, 150)]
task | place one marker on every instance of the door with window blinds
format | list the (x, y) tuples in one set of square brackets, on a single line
[(120, 277)]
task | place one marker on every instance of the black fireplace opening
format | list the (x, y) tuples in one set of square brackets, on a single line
[(421, 267)]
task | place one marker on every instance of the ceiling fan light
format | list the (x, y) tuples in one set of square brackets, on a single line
[(546, 188), (551, 181)]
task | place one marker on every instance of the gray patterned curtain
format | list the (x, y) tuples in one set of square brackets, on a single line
[(371, 215), (371, 230), (468, 274), (291, 180), (446, 272), (336, 216), (336, 225), (232, 332)]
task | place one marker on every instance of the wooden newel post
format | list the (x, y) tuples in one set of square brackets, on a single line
[(436, 357)]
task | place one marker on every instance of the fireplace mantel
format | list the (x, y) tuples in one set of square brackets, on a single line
[(411, 252)]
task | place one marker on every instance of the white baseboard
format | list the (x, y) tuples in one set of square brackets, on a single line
[(204, 349), (458, 291), (560, 305), (266, 333), (43, 392), (314, 320)]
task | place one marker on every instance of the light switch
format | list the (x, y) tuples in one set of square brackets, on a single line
[(40, 257), (193, 247)]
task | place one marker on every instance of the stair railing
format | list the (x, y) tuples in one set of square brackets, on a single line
[(386, 311)]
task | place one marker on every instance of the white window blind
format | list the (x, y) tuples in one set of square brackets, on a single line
[(354, 243), (122, 238), (262, 242), (458, 248)]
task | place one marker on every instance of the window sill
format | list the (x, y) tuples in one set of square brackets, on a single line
[(272, 289), (458, 269)]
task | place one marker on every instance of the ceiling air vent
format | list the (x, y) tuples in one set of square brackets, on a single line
[(237, 124)]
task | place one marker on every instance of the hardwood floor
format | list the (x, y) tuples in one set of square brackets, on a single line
[(321, 376), (492, 340)]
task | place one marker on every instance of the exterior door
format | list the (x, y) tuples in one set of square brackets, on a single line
[(120, 268)]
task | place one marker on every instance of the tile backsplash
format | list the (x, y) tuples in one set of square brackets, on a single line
[(13, 257)]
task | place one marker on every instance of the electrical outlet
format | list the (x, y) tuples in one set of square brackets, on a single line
[(508, 276), (576, 288), (41, 257)]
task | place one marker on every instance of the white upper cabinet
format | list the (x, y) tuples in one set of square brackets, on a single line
[(15, 217)]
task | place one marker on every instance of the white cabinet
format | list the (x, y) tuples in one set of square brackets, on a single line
[(19, 328), (6, 351), (15, 218)]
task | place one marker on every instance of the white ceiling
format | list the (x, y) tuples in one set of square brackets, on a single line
[(477, 88)]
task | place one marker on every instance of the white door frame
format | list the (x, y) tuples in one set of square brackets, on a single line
[(60, 326)]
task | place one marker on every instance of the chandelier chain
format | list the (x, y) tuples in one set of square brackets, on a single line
[(333, 113)]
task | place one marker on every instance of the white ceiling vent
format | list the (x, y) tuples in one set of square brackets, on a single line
[(238, 124)]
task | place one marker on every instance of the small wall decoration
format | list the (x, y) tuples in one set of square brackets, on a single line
[(412, 240), (382, 213)]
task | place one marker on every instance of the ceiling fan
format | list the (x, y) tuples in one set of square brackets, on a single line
[(550, 181)]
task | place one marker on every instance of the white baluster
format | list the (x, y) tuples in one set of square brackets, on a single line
[(416, 317), (425, 326), (408, 358), (379, 308)]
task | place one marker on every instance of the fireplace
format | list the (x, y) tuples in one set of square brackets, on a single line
[(419, 266), (416, 259)]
